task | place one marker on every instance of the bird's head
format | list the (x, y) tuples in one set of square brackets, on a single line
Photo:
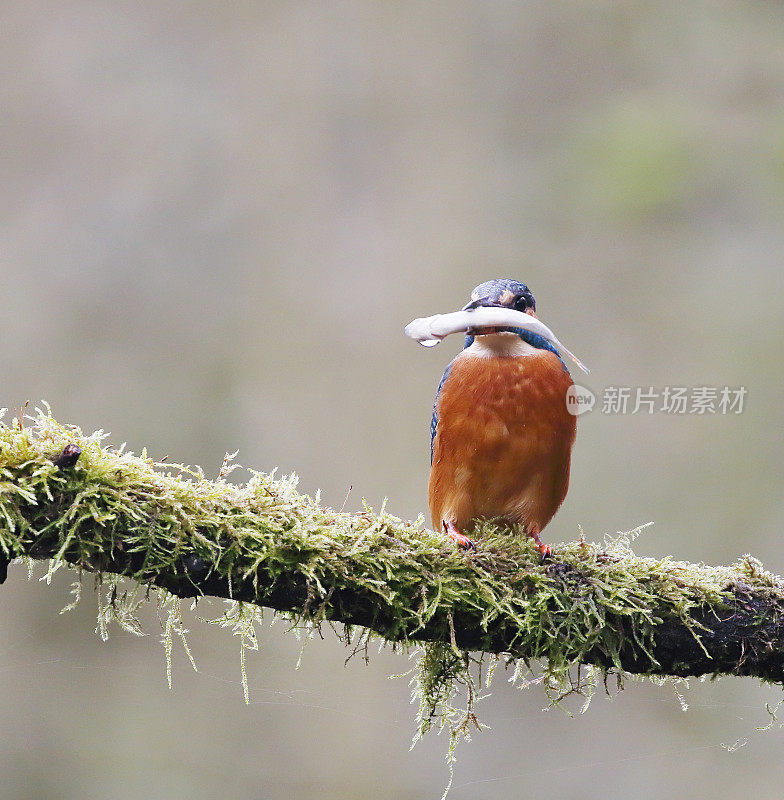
[(512, 299), (502, 293)]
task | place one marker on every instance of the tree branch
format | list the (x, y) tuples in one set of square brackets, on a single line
[(107, 511)]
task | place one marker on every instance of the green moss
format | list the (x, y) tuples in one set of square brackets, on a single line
[(169, 529)]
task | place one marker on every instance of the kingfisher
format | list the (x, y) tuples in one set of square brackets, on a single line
[(501, 434)]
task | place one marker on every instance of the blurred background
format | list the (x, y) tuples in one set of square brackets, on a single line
[(216, 220)]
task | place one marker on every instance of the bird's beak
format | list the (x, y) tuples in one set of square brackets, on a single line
[(486, 302), (480, 301)]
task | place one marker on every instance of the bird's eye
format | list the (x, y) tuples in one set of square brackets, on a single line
[(521, 303)]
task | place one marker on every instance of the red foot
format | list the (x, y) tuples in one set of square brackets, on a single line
[(545, 551), (463, 542)]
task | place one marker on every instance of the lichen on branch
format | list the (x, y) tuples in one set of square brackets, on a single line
[(167, 526)]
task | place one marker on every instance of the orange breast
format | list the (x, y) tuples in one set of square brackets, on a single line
[(503, 442)]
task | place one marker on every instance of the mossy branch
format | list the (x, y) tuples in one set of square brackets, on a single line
[(108, 511)]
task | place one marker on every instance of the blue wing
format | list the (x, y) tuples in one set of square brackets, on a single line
[(434, 418), (469, 340)]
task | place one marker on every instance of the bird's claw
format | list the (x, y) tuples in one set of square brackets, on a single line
[(462, 541), (545, 552)]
